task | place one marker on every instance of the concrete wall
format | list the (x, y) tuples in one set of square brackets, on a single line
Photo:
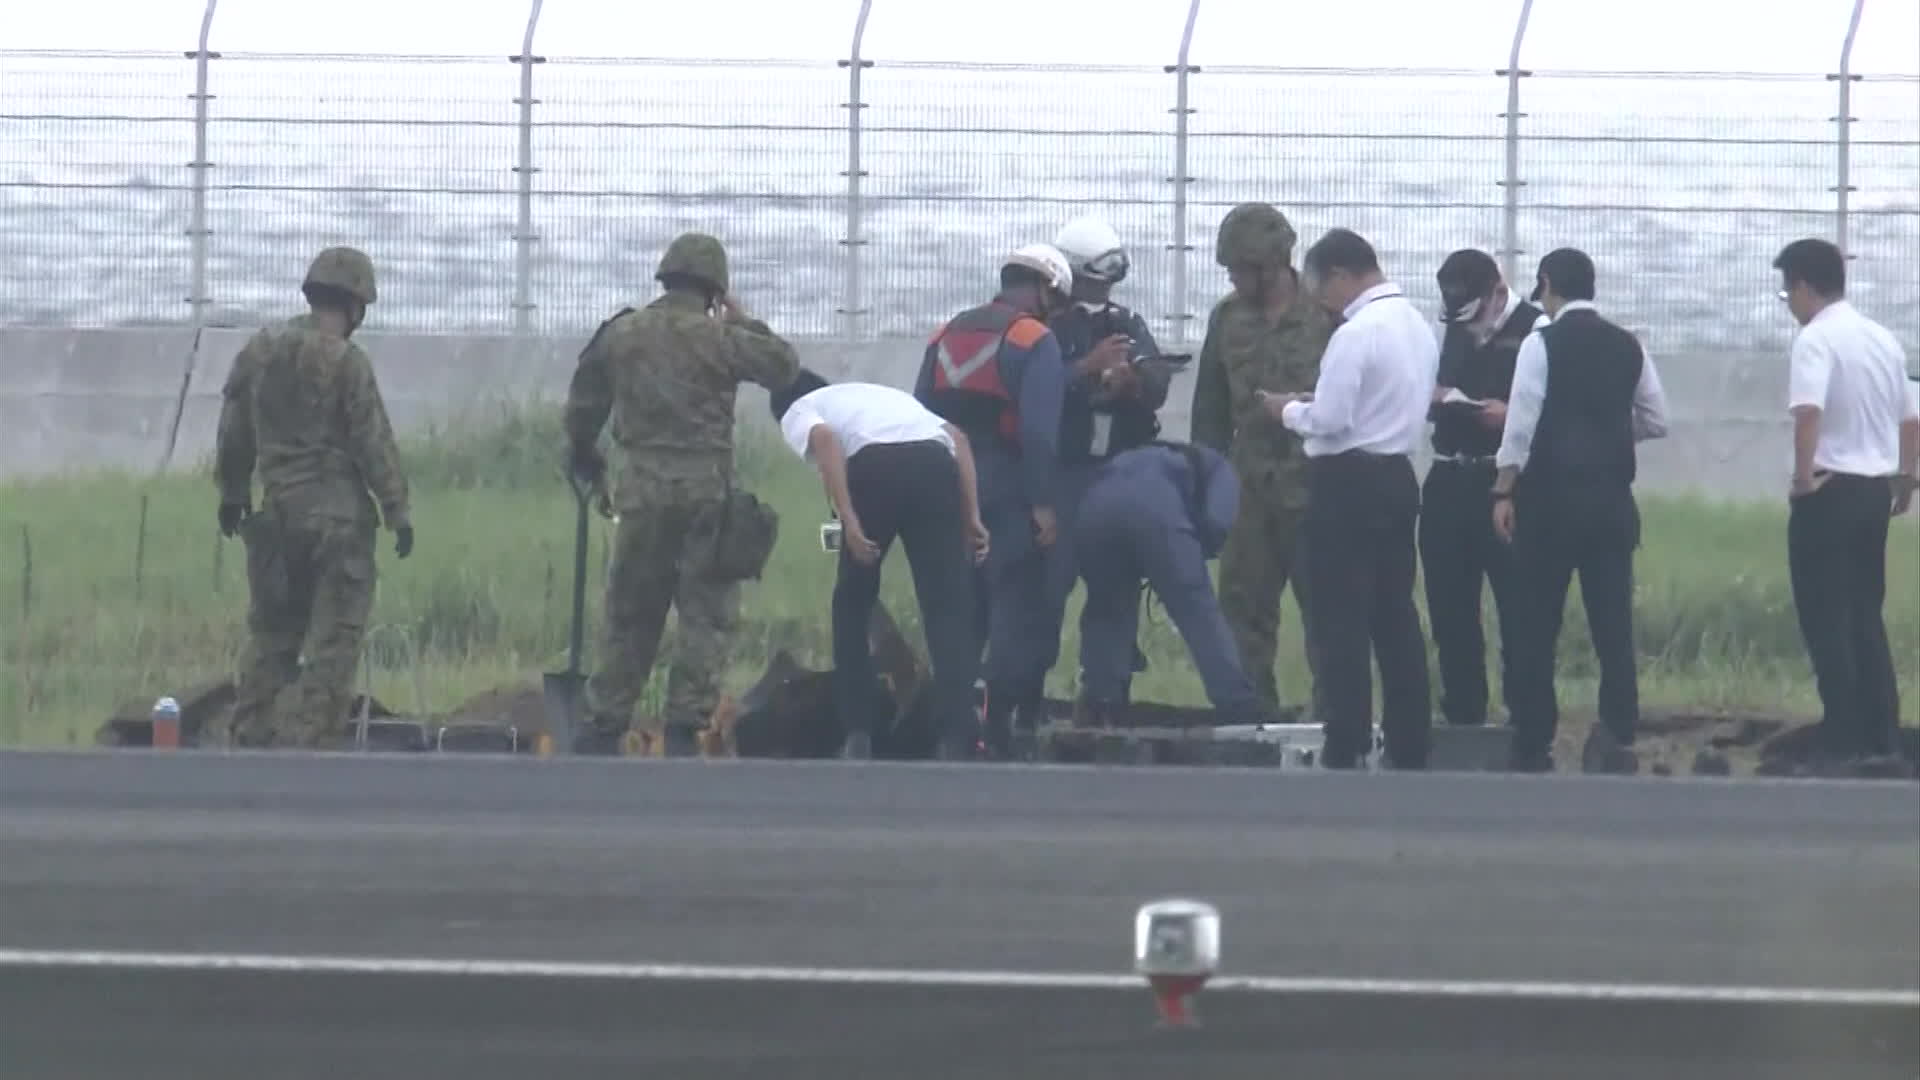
[(72, 399)]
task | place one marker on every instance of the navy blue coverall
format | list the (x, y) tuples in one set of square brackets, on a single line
[(1147, 516)]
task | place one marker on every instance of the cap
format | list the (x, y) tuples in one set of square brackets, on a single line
[(1465, 278)]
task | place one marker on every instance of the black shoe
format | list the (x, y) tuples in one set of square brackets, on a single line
[(858, 747), (1605, 754)]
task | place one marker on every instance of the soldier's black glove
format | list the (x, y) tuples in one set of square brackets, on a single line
[(231, 515), (403, 541), (586, 468)]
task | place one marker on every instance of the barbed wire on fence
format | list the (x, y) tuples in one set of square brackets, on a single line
[(863, 198)]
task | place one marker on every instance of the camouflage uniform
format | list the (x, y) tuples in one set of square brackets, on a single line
[(1245, 352), (667, 374), (302, 406)]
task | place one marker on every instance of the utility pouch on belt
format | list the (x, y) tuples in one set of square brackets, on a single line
[(738, 535)]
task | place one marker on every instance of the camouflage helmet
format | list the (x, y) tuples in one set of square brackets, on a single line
[(1254, 234), (696, 255), (346, 269)]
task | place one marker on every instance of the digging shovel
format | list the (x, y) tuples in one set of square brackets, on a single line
[(564, 691)]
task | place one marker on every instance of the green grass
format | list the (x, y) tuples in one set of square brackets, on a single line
[(90, 622)]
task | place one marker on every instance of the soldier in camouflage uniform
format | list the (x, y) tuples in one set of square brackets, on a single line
[(1266, 335), (667, 374), (301, 405)]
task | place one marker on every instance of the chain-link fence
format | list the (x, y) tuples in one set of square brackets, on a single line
[(1682, 186)]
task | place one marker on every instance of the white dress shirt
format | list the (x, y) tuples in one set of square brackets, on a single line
[(1530, 391), (1853, 371), (1376, 380), (860, 415)]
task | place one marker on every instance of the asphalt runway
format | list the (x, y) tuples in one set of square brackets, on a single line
[(1384, 925)]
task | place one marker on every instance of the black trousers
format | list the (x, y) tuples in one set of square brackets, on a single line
[(909, 491), (1589, 529), (1360, 558), (1837, 561), (1458, 552)]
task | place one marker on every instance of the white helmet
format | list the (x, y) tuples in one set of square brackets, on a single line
[(1047, 260), (1093, 249)]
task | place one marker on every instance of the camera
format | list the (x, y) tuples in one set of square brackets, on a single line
[(830, 532)]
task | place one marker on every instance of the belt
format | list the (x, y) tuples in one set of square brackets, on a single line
[(1466, 459)]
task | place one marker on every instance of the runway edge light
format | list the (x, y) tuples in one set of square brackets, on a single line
[(1176, 947)]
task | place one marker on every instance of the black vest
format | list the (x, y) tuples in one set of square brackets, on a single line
[(1482, 372), (1585, 433)]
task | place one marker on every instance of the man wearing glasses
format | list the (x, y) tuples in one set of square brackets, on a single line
[(1359, 428)]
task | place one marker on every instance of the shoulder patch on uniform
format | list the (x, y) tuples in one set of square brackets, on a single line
[(1026, 332)]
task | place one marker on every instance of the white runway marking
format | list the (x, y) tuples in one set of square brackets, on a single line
[(999, 980)]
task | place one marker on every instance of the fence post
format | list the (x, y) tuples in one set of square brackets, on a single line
[(1843, 130), (850, 309), (197, 227), (1180, 316), (523, 234), (1511, 182)]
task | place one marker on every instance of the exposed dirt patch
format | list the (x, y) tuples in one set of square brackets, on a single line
[(789, 714), (1680, 742), (521, 707), (205, 710)]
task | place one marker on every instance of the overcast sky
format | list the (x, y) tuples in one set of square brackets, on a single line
[(1636, 35)]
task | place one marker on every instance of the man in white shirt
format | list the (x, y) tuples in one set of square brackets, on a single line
[(1360, 427), (891, 468), (1856, 462), (1584, 393)]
